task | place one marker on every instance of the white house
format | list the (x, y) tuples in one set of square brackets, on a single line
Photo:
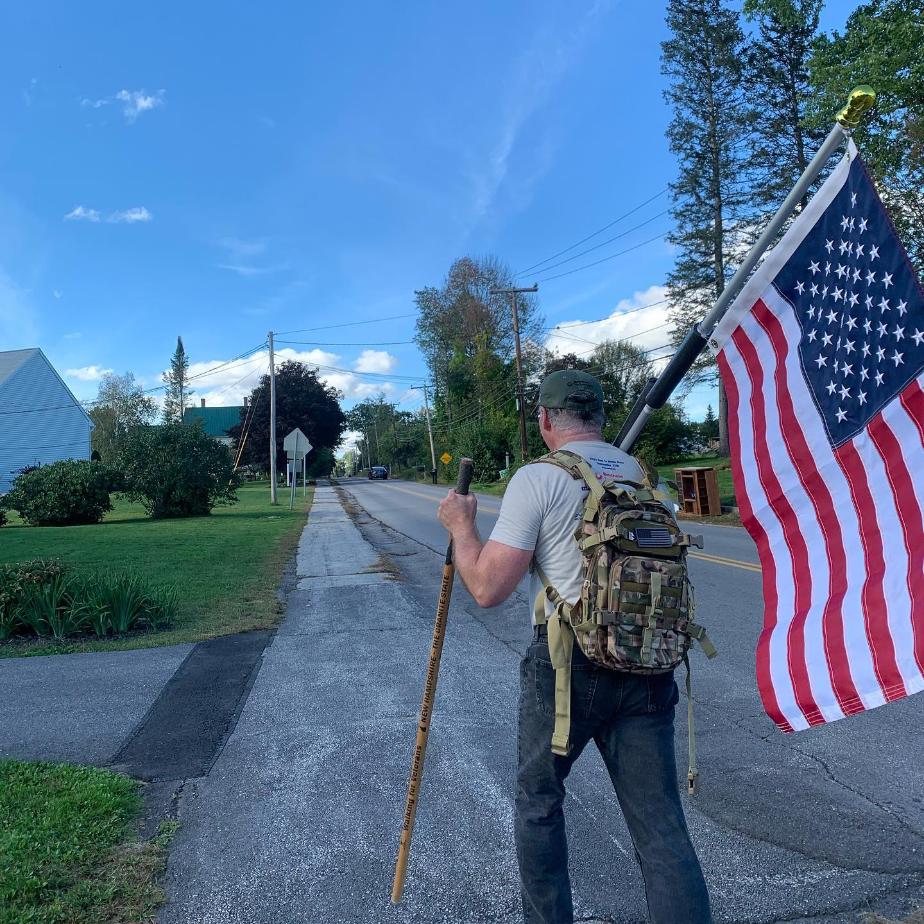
[(40, 419)]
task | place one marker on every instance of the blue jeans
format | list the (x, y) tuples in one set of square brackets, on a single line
[(630, 718)]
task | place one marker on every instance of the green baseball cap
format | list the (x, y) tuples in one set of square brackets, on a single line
[(572, 390)]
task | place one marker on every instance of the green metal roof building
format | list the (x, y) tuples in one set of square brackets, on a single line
[(216, 421)]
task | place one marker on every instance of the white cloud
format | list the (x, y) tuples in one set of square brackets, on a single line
[(243, 269), (119, 217), (134, 102), (88, 373), (230, 384), (129, 216), (375, 361), (646, 328), (241, 248), (82, 213), (242, 254), (539, 68), (73, 335), (29, 93), (57, 293)]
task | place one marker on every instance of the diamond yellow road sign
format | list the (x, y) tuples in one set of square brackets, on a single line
[(445, 458)]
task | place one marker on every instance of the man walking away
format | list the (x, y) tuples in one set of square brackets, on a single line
[(629, 716)]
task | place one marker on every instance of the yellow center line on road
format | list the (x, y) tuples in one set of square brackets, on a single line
[(703, 556), (426, 495), (721, 560)]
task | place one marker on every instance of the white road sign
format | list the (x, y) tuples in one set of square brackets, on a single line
[(296, 445)]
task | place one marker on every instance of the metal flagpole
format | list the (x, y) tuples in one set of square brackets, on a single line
[(860, 100)]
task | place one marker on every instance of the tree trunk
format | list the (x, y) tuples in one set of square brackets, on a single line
[(724, 449)]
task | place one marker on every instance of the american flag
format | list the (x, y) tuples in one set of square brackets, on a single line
[(822, 357)]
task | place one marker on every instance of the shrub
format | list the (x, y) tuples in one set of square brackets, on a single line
[(42, 598), (63, 493), (175, 470), (2, 517)]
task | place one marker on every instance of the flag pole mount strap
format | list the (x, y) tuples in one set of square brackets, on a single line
[(861, 99)]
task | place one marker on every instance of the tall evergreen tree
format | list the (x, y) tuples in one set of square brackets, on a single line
[(777, 79), (176, 378), (703, 62), (881, 46)]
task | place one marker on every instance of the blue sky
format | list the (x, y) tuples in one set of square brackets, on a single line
[(217, 170)]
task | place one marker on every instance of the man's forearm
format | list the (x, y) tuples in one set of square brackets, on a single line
[(466, 550)]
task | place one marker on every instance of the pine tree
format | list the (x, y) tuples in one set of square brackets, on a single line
[(176, 378), (881, 46), (777, 78), (703, 62), (710, 426)]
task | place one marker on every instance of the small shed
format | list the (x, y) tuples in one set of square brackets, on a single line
[(40, 419), (216, 421)]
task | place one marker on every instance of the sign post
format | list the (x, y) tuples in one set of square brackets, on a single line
[(297, 448)]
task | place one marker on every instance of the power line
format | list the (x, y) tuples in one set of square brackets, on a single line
[(367, 344), (609, 317), (612, 256), (595, 233), (597, 343), (304, 330), (609, 240)]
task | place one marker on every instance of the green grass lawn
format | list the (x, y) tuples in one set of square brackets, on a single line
[(226, 566), (67, 850)]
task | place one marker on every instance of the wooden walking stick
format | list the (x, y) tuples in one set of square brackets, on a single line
[(429, 695)]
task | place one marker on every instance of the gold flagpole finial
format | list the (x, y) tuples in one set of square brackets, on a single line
[(860, 100)]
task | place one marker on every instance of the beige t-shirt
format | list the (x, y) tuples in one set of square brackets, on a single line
[(541, 510)]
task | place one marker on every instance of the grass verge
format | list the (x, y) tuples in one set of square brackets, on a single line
[(226, 566), (67, 851)]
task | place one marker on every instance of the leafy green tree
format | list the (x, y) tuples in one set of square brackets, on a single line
[(120, 406), (777, 77), (465, 331), (302, 400), (176, 470), (176, 378), (703, 63), (667, 436), (881, 46)]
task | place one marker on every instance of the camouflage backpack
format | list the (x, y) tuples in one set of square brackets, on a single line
[(635, 612)]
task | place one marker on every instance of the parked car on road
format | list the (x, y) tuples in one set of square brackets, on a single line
[(378, 471)]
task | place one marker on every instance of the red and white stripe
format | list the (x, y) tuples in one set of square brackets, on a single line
[(844, 606)]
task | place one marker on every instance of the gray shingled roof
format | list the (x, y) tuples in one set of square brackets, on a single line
[(11, 360)]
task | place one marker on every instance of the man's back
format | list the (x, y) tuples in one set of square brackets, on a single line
[(542, 507)]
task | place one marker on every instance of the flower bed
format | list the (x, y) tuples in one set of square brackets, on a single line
[(46, 599)]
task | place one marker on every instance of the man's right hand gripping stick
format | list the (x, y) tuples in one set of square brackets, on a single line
[(429, 695)]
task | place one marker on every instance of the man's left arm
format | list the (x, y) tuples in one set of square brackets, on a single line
[(491, 570)]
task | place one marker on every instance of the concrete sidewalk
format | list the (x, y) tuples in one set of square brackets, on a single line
[(299, 817)]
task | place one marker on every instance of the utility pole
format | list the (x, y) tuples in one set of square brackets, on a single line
[(521, 403), (430, 433), (272, 446)]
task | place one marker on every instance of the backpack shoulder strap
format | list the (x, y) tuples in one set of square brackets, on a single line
[(578, 467)]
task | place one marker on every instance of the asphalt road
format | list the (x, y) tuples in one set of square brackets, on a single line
[(298, 818), (827, 820)]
